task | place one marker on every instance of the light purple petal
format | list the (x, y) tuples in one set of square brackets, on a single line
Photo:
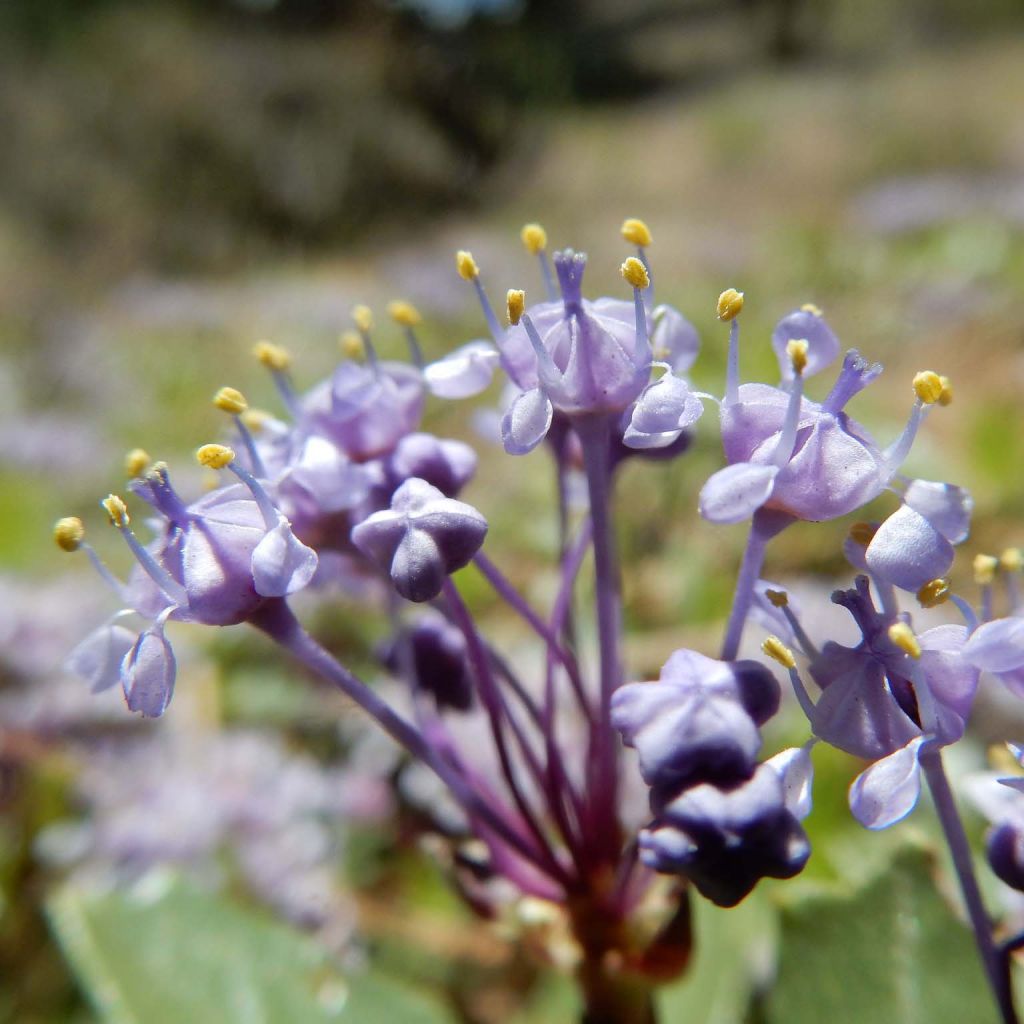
[(887, 791), (674, 339), (463, 373), (736, 492), (822, 344), (281, 563), (526, 422), (330, 476), (997, 646), (907, 551), (794, 768), (947, 507), (417, 569), (666, 407), (148, 671), (97, 659)]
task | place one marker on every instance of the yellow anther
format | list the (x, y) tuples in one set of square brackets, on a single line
[(273, 357), (135, 463), (534, 237), (363, 317), (778, 651), (985, 569), (230, 400), (351, 345), (730, 304), (255, 419), (466, 265), (796, 349), (404, 313), (117, 510), (928, 386), (903, 637), (636, 232), (933, 593), (779, 598), (1011, 560), (214, 456), (515, 303), (863, 533), (68, 533), (810, 307), (946, 398), (635, 273)]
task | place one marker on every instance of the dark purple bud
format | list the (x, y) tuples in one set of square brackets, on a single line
[(421, 539), (725, 842), (759, 690), (1004, 847), (434, 652), (446, 465)]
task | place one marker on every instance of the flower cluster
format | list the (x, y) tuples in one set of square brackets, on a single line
[(345, 488)]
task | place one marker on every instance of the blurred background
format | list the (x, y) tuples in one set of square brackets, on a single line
[(179, 179)]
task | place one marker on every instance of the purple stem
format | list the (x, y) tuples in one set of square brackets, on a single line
[(765, 525), (930, 758), (594, 432), (498, 713), (277, 620)]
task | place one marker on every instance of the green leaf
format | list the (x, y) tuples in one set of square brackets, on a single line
[(729, 946), (166, 952), (892, 951)]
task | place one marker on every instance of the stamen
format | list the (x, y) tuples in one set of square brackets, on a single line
[(636, 232), (68, 533), (934, 593), (636, 274), (135, 463), (469, 271), (255, 420), (407, 316), (546, 368), (787, 436), (232, 401), (863, 533), (894, 456), (778, 651), (1011, 560), (117, 511), (730, 304), (515, 303), (946, 397), (929, 388), (810, 307), (535, 238), (219, 456), (778, 598), (157, 490), (363, 317), (351, 345), (984, 567), (278, 360), (796, 350), (903, 637)]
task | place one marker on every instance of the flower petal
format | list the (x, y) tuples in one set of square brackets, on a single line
[(997, 646), (794, 768), (888, 791), (97, 659), (907, 551), (463, 373), (281, 563), (947, 507), (526, 422), (736, 492), (148, 672)]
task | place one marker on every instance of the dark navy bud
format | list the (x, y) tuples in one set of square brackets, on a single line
[(1004, 847), (434, 652)]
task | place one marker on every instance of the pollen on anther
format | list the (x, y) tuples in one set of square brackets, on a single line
[(135, 463), (515, 303), (404, 313), (778, 651), (985, 569), (1011, 560), (635, 273), (946, 397), (351, 345), (363, 317), (636, 232), (68, 533), (928, 386), (215, 456), (934, 593), (796, 350), (903, 637), (255, 419), (810, 307), (230, 400), (778, 598), (730, 304), (863, 533), (466, 265), (534, 237), (116, 510), (273, 357)]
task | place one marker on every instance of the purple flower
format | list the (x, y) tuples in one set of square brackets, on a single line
[(698, 722), (998, 647), (809, 325), (421, 539)]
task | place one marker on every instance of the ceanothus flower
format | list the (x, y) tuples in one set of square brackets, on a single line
[(802, 458), (884, 699), (421, 539), (698, 722)]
